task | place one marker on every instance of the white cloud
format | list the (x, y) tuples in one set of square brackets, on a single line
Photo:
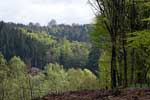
[(42, 11)]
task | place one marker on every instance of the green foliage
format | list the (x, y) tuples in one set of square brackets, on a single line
[(17, 67), (104, 70), (146, 19), (93, 59), (56, 77), (73, 32), (71, 54), (90, 81), (18, 84), (100, 36), (15, 85), (41, 37), (39, 85), (101, 39), (3, 68), (139, 39), (123, 20), (36, 47), (82, 79)]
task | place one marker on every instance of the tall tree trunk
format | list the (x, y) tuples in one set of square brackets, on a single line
[(133, 28), (125, 66), (113, 66), (132, 66), (120, 60), (125, 59)]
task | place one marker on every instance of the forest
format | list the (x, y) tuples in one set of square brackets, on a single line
[(107, 59), (38, 46)]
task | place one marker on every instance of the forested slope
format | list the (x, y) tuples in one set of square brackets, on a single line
[(39, 45)]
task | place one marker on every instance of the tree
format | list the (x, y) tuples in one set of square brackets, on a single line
[(56, 76), (139, 25), (52, 23), (100, 43), (111, 13), (104, 70), (3, 76), (93, 59)]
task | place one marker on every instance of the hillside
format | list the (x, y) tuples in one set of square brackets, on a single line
[(39, 45)]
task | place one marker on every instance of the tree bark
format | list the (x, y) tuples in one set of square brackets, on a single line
[(113, 66), (125, 59), (132, 66)]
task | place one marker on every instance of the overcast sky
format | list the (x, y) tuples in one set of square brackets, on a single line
[(42, 11)]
